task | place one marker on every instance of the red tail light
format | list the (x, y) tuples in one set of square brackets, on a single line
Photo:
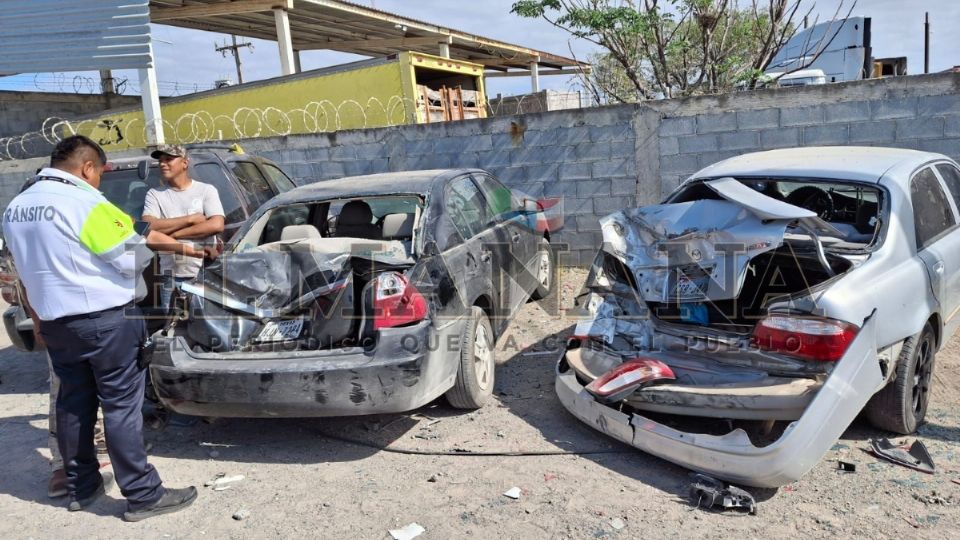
[(396, 301), (10, 295), (810, 338), (623, 380)]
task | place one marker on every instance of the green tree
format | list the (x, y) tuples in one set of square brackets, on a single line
[(671, 48)]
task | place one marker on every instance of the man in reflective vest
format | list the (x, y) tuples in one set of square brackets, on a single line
[(79, 258)]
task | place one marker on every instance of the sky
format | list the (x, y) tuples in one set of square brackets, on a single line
[(186, 60)]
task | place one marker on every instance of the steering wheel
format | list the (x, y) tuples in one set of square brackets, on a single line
[(814, 199)]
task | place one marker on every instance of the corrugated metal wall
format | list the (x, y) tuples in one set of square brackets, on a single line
[(38, 36)]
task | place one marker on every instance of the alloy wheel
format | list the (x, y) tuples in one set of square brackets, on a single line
[(922, 374), (482, 357)]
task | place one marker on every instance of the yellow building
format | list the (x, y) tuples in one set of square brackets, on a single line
[(406, 88)]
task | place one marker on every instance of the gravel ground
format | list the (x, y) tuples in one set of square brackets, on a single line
[(331, 477)]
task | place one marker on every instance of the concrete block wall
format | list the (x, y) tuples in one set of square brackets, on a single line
[(921, 113), (22, 112), (605, 159)]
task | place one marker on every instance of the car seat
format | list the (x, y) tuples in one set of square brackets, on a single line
[(356, 221)]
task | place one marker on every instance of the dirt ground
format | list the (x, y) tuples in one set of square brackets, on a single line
[(332, 478)]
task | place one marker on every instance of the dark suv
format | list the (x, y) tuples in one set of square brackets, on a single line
[(244, 182)]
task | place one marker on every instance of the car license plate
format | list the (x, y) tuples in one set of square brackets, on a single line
[(281, 330)]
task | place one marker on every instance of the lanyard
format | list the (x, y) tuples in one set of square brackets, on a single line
[(34, 180)]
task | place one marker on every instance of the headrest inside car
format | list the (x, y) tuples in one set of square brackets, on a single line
[(299, 232), (398, 226)]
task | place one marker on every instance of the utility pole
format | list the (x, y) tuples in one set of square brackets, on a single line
[(106, 87), (926, 43), (235, 50)]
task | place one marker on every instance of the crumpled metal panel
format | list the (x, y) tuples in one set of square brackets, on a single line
[(699, 250), (692, 251), (266, 283), (74, 35)]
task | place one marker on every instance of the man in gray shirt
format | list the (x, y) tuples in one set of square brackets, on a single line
[(185, 209)]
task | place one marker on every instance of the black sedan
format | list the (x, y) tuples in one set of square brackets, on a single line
[(362, 295)]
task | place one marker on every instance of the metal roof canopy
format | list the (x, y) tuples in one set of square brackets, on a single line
[(77, 35), (351, 28)]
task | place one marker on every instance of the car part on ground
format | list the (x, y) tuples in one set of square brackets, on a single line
[(914, 457), (710, 493)]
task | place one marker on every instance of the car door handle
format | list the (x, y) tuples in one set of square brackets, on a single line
[(485, 257), (938, 267)]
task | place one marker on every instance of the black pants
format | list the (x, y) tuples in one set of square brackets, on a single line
[(95, 356)]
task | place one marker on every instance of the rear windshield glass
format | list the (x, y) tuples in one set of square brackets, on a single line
[(853, 209)]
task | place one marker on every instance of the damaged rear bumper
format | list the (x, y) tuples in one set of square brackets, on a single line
[(409, 367), (733, 456)]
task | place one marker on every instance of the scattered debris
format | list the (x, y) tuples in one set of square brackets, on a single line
[(549, 476), (933, 498), (501, 434), (513, 493), (222, 482), (915, 457), (707, 492), (241, 514), (846, 466), (912, 522), (618, 524), (435, 477), (956, 481), (409, 532)]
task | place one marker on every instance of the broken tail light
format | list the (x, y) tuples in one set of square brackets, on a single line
[(550, 215), (810, 338), (623, 380), (396, 301), (10, 294)]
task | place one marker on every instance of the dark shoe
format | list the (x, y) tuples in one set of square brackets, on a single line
[(172, 500), (58, 484), (106, 480)]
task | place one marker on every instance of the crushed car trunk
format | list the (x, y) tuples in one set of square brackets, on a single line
[(304, 294), (686, 283), (714, 263)]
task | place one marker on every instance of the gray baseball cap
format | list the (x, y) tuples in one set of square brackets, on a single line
[(175, 150)]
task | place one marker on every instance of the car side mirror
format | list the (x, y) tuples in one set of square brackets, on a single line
[(143, 169), (531, 206)]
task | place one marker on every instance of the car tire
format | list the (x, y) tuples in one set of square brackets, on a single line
[(546, 271), (477, 368), (901, 405)]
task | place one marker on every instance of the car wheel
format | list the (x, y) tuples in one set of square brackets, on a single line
[(901, 406), (475, 374), (546, 271)]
